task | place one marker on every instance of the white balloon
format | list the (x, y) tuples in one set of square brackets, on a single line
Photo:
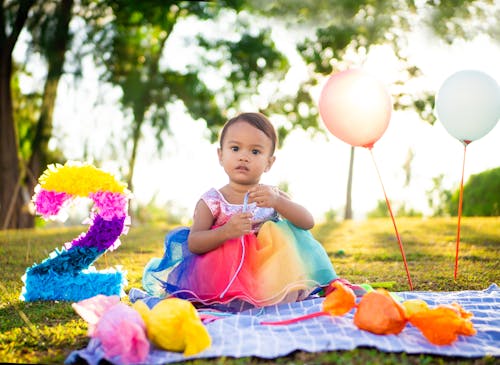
[(468, 104)]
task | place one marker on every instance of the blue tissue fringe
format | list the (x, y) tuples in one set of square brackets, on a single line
[(67, 275), (67, 261), (72, 286)]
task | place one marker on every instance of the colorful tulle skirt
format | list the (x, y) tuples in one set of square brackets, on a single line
[(282, 263)]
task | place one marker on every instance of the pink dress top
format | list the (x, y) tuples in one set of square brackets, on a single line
[(222, 210)]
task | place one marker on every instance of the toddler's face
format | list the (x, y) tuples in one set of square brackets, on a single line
[(245, 153)]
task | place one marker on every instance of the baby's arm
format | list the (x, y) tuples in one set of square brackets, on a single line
[(272, 197), (203, 239)]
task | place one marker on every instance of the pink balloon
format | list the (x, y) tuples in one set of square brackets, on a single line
[(355, 107)]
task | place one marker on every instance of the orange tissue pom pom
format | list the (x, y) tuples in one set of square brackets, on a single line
[(340, 300), (443, 324), (379, 313)]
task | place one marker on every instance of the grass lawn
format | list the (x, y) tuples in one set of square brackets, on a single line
[(362, 252)]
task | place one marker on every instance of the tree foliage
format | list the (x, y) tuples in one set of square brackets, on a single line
[(132, 50), (26, 109), (381, 211), (129, 42), (347, 31), (438, 198), (481, 195)]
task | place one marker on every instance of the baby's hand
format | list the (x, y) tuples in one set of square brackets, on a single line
[(238, 225), (264, 195)]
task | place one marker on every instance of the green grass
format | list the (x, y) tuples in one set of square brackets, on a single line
[(362, 252)]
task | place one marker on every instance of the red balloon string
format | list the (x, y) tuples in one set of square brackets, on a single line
[(460, 200), (393, 222), (296, 319)]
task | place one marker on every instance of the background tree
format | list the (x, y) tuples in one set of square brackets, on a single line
[(481, 195), (380, 211), (49, 26), (13, 16), (131, 50), (26, 111), (437, 197), (346, 32), (51, 38), (129, 40)]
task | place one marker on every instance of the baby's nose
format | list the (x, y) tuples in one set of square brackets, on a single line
[(244, 156)]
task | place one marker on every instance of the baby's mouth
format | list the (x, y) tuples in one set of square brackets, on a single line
[(241, 168)]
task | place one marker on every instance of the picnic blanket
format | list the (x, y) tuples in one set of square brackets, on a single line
[(242, 334)]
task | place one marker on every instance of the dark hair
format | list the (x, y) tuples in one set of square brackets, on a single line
[(257, 120)]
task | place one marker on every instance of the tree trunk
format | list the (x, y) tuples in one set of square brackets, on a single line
[(9, 159), (10, 199), (136, 136), (348, 200)]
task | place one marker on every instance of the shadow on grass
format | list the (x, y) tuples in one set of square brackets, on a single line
[(27, 314)]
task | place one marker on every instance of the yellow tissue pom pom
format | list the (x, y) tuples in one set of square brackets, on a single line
[(174, 325), (79, 180)]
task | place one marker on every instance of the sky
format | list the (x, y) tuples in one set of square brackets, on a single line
[(314, 167)]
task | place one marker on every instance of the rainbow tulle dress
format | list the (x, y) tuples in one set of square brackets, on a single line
[(281, 263)]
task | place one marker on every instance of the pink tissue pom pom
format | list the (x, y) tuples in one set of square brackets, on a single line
[(48, 203), (92, 309), (110, 205), (122, 333)]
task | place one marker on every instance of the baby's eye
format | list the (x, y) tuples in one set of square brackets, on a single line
[(255, 152), (234, 148)]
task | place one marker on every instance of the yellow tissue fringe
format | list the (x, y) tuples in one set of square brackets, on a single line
[(79, 180)]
